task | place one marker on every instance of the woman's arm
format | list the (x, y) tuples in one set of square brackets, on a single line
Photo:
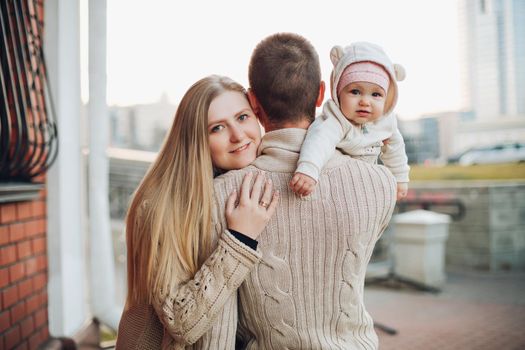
[(189, 308)]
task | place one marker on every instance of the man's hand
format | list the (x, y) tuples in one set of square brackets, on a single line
[(302, 184), (402, 189)]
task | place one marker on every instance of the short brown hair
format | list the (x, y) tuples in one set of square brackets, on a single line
[(285, 76)]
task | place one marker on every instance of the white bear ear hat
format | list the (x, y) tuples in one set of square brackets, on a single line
[(365, 52)]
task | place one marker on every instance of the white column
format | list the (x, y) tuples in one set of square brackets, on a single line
[(66, 288), (102, 264)]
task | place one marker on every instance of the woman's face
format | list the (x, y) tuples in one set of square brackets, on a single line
[(234, 132)]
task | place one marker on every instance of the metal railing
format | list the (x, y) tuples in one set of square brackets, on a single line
[(28, 132)]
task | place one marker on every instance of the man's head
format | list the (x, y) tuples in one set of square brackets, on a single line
[(285, 77)]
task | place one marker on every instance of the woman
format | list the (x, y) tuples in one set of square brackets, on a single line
[(177, 272)]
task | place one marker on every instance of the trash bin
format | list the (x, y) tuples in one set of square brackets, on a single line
[(419, 246)]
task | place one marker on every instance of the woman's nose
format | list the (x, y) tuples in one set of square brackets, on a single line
[(237, 134)]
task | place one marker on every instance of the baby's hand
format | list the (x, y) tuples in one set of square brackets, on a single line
[(302, 184), (402, 189)]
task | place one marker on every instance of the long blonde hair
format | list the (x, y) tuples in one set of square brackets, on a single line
[(168, 225)]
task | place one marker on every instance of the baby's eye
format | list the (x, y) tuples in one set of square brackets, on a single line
[(377, 94), (354, 92), (216, 128)]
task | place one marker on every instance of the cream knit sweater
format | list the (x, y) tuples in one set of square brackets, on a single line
[(198, 313), (307, 290)]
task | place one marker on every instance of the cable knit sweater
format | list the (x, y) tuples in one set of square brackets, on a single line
[(198, 313), (307, 290)]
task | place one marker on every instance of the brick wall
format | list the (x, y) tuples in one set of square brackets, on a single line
[(23, 274)]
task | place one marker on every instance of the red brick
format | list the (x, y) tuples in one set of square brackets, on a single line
[(31, 228), (4, 234), (5, 321), (34, 341), (40, 317), (36, 227), (9, 296), (4, 277), (31, 266), (24, 210), (7, 254), (16, 272), (16, 232), (39, 281), (23, 249), (44, 333), (41, 263), (22, 346), (41, 226), (39, 245), (25, 288), (12, 337), (18, 312), (43, 297), (7, 213), (39, 209), (33, 303), (27, 326)]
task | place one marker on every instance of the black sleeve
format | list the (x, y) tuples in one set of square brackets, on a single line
[(252, 243)]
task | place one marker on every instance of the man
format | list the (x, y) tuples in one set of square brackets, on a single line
[(307, 291)]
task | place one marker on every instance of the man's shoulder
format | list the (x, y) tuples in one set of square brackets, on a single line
[(344, 165), (225, 183), (232, 174)]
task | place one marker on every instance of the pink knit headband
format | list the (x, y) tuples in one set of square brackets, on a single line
[(364, 71)]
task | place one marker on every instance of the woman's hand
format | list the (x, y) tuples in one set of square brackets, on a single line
[(254, 208)]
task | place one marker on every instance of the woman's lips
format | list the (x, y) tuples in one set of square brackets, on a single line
[(242, 148)]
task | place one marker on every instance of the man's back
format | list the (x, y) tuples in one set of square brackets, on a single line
[(307, 291)]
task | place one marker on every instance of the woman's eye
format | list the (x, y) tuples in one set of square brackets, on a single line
[(216, 128), (354, 92), (243, 117)]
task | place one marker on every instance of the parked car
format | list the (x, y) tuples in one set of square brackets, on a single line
[(500, 153)]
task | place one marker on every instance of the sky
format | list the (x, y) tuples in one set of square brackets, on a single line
[(156, 47)]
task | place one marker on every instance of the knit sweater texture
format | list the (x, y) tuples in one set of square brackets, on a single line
[(195, 313), (306, 292)]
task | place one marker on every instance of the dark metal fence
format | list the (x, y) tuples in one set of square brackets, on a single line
[(28, 132)]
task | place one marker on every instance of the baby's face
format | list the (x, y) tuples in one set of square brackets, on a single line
[(362, 102)]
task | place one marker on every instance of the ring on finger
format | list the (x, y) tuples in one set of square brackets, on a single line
[(263, 204)]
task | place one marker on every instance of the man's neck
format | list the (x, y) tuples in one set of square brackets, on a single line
[(302, 124)]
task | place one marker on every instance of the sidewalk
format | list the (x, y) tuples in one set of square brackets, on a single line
[(475, 310)]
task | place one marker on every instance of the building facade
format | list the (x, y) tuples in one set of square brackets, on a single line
[(492, 46)]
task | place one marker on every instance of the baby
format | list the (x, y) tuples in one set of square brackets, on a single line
[(358, 120)]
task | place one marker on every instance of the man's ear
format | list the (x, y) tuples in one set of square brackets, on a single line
[(257, 109), (320, 97), (254, 103)]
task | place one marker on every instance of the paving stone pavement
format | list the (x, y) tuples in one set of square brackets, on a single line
[(475, 310)]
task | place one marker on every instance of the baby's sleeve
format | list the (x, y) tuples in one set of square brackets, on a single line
[(319, 145), (394, 156)]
